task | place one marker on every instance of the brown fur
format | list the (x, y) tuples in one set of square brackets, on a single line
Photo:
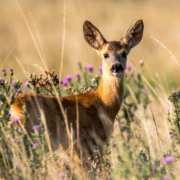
[(94, 112), (114, 46)]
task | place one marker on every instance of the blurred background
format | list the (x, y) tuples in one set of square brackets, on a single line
[(38, 35)]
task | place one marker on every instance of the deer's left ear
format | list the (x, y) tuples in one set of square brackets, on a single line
[(93, 36), (134, 34)]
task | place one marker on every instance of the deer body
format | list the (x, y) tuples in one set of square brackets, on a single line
[(90, 116)]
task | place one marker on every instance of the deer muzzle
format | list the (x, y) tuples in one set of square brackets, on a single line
[(117, 69)]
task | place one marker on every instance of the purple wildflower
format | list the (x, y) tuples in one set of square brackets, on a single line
[(68, 78), (79, 64), (19, 91), (18, 166), (145, 91), (100, 69), (35, 144), (89, 68), (165, 177), (77, 76), (16, 119), (170, 136), (128, 67), (132, 71), (168, 159), (37, 85), (9, 114), (15, 139), (155, 166), (36, 128), (1, 79), (61, 175), (11, 70), (19, 129), (3, 70), (64, 83), (13, 84), (26, 84)]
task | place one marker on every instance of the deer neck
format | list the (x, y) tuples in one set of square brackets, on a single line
[(110, 92)]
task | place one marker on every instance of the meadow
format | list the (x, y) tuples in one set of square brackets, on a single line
[(47, 36)]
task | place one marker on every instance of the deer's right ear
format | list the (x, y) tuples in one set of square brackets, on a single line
[(93, 36), (134, 34)]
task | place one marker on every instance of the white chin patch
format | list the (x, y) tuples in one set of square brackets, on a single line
[(116, 74)]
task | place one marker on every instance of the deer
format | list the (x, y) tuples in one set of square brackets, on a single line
[(88, 117)]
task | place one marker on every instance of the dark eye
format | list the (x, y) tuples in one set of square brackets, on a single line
[(124, 55), (106, 56)]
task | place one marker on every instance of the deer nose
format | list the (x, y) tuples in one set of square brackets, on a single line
[(117, 68)]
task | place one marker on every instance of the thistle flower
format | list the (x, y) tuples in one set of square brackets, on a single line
[(132, 71), (165, 177), (15, 139), (13, 84), (145, 91), (170, 136), (128, 67), (77, 76), (19, 91), (36, 128), (37, 85), (89, 68), (1, 79), (26, 84), (4, 72), (16, 119), (168, 159), (68, 78), (155, 166), (61, 175), (80, 65), (11, 72), (64, 83), (35, 145), (19, 129), (18, 166)]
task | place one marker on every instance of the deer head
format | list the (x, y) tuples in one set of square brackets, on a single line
[(113, 53)]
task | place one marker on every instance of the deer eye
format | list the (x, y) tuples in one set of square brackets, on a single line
[(106, 55), (124, 55)]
